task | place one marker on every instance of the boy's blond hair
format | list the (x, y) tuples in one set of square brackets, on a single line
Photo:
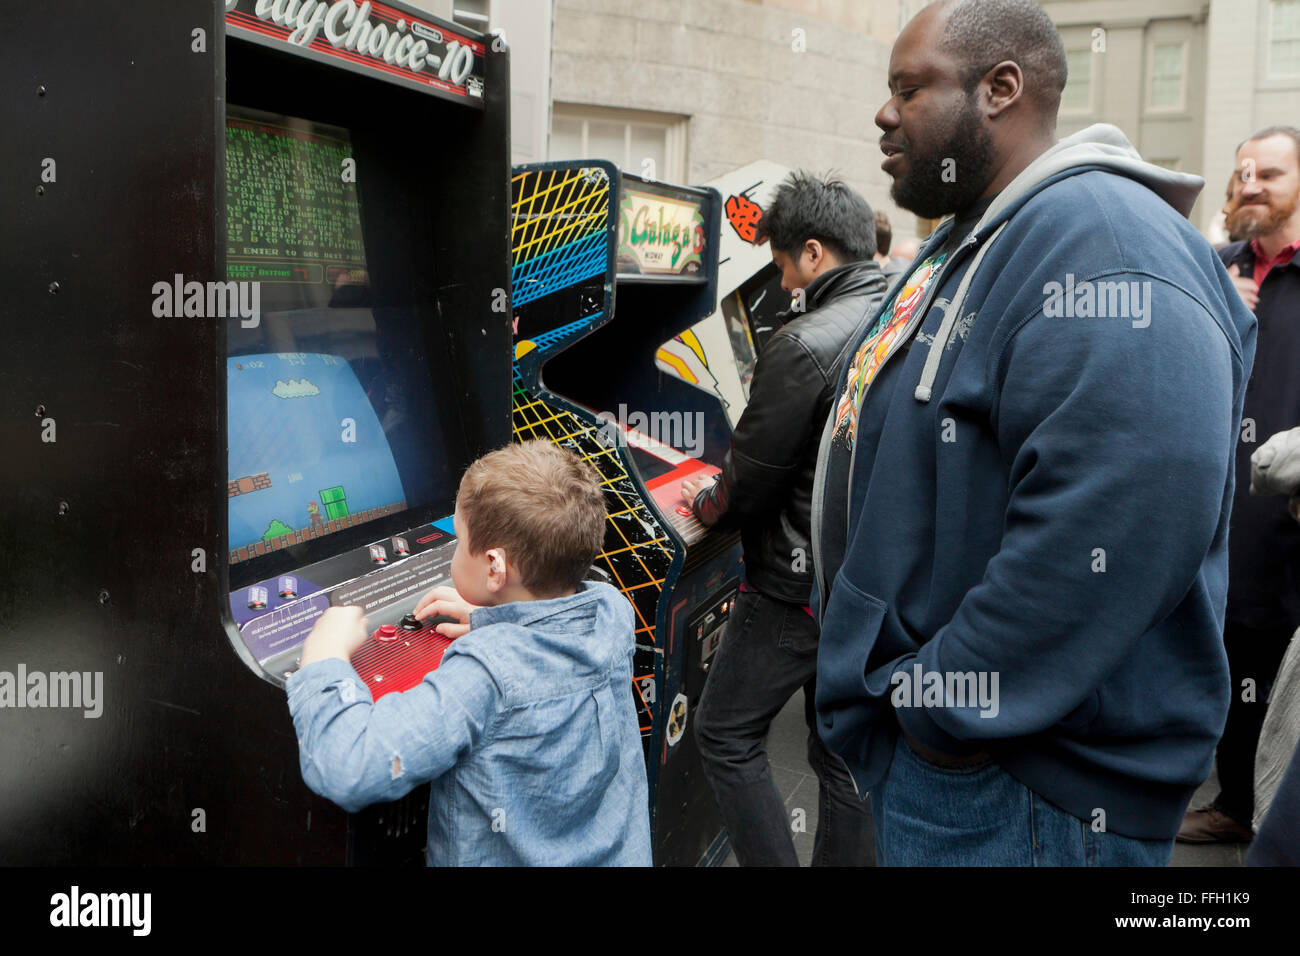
[(540, 503)]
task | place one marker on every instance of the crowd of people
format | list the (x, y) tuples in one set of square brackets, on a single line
[(1019, 517)]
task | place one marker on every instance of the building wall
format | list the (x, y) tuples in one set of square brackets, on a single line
[(527, 30), (1228, 92), (439, 8), (1240, 96), (880, 21), (731, 68), (1121, 78), (734, 68)]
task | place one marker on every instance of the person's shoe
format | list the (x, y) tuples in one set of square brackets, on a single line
[(1209, 824)]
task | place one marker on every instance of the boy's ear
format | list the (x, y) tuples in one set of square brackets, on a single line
[(497, 569)]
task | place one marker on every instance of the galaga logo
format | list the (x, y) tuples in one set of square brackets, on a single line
[(743, 214)]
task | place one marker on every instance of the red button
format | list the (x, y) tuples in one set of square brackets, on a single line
[(684, 511), (387, 632)]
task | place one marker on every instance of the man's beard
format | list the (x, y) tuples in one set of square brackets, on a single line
[(933, 186), (1251, 222)]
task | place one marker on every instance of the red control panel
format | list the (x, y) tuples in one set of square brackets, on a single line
[(667, 493), (397, 656)]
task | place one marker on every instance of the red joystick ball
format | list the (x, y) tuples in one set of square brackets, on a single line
[(386, 632)]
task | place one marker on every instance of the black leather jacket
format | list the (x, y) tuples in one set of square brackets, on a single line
[(766, 484)]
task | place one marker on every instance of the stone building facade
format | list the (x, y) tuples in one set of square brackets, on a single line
[(687, 89)]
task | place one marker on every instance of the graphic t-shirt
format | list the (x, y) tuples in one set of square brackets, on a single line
[(876, 347)]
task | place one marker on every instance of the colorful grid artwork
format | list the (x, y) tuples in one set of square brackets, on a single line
[(560, 215)]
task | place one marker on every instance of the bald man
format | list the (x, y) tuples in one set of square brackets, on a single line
[(1020, 514)]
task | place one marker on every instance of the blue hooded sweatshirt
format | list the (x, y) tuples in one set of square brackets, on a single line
[(1033, 497)]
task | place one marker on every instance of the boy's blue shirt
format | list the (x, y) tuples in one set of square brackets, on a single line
[(527, 732)]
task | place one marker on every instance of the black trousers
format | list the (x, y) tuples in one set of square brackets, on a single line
[(1253, 654), (769, 652)]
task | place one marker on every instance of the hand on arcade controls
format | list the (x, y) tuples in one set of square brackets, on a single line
[(339, 632), (444, 601), (691, 487)]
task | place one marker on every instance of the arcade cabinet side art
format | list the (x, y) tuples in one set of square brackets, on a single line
[(562, 241)]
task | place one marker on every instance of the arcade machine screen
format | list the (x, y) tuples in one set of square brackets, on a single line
[(741, 339), (753, 313), (337, 431), (295, 474)]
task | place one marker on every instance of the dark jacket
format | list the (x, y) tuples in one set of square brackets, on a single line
[(1037, 500), (765, 487), (1264, 543)]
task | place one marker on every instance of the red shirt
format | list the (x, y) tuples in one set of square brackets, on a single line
[(1282, 258)]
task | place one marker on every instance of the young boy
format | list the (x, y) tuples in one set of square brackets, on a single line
[(527, 729)]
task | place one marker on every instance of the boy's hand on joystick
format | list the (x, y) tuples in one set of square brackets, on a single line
[(444, 601), (338, 633)]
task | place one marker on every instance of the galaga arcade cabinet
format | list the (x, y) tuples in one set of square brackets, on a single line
[(261, 318), (607, 269), (718, 354)]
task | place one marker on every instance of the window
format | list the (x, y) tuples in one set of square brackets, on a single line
[(1174, 165), (1077, 95), (1284, 38), (1168, 65), (646, 144)]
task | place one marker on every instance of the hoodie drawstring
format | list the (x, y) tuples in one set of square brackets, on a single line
[(940, 341)]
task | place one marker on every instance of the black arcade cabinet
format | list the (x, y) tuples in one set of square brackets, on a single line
[(608, 268), (259, 326)]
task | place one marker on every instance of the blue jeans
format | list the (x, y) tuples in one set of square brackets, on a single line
[(927, 815)]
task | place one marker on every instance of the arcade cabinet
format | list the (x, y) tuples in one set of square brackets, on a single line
[(261, 316), (607, 268), (718, 354)]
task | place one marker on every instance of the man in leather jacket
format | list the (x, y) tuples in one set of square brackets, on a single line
[(823, 238)]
